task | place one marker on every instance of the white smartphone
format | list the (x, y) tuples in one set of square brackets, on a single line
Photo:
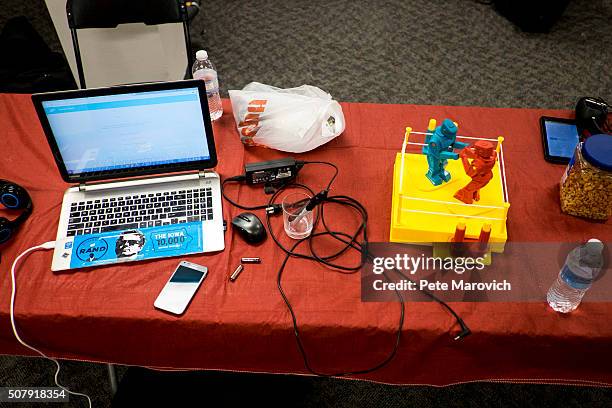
[(181, 287)]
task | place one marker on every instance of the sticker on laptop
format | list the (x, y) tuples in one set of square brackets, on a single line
[(136, 244)]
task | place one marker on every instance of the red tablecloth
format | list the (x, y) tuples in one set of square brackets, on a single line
[(106, 314)]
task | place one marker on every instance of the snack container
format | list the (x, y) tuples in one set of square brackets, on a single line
[(586, 185)]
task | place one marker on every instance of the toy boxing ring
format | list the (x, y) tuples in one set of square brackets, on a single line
[(426, 214)]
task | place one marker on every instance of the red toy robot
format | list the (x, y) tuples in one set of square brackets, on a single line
[(483, 156)]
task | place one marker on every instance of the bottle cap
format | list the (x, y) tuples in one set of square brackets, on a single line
[(597, 150), (594, 246), (201, 55)]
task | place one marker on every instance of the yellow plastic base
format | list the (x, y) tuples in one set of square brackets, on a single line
[(424, 213)]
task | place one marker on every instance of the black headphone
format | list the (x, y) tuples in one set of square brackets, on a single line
[(592, 116), (13, 197)]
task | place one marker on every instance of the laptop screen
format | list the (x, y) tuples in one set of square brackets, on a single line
[(139, 129), (128, 130)]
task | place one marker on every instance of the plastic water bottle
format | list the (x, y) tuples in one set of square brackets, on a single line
[(204, 69), (581, 267)]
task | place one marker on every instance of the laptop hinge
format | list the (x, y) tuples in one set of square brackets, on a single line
[(84, 187), (206, 173)]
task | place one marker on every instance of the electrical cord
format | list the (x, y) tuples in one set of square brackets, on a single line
[(350, 241), (331, 181), (296, 330), (232, 202), (45, 246)]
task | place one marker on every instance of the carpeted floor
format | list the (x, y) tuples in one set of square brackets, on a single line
[(427, 52), (455, 52)]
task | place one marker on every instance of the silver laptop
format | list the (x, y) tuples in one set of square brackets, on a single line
[(138, 156)]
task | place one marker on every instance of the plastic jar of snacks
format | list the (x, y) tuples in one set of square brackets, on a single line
[(586, 185)]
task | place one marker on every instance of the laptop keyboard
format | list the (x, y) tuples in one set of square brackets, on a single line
[(140, 211)]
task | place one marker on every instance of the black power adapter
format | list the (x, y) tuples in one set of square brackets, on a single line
[(272, 172)]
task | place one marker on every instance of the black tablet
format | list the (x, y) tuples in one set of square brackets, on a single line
[(559, 138)]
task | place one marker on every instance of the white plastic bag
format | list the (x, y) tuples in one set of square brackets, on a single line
[(292, 120)]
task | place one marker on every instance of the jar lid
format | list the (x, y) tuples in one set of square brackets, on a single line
[(597, 149)]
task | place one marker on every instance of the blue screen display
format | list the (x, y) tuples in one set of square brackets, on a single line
[(562, 138), (128, 130), (186, 275)]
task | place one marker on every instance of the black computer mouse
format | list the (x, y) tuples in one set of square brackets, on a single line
[(250, 227)]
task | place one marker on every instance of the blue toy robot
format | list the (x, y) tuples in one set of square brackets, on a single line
[(439, 148)]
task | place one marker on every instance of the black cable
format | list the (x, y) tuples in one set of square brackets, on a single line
[(331, 181), (350, 241), (232, 202), (465, 330), (325, 260), (296, 330)]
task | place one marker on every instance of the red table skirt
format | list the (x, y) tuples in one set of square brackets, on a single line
[(106, 314)]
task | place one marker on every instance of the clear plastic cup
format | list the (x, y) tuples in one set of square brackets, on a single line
[(298, 221)]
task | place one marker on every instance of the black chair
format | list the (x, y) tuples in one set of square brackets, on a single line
[(111, 13)]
